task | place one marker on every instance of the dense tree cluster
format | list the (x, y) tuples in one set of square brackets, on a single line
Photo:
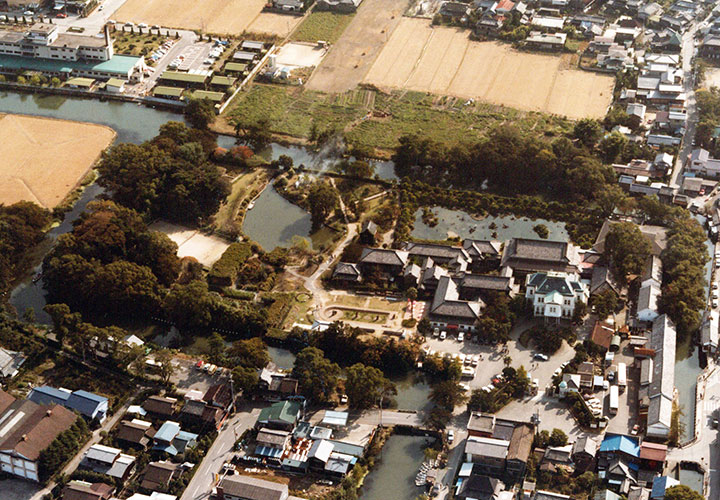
[(168, 177), (366, 385), (513, 385), (682, 492), (627, 249), (21, 228), (708, 105), (684, 259), (63, 447), (110, 263), (343, 344), (317, 376)]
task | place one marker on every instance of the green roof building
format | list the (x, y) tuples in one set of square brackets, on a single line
[(180, 79), (222, 81), (281, 415), (205, 94), (233, 67), (168, 92), (115, 67)]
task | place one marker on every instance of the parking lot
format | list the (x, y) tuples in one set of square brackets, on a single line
[(193, 56), (187, 377)]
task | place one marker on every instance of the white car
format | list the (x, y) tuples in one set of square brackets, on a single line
[(461, 336), (451, 436), (443, 335)]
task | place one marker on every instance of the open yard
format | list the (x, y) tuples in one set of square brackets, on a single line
[(712, 77), (274, 24), (292, 111), (191, 243), (43, 159), (213, 16), (444, 61), (322, 25)]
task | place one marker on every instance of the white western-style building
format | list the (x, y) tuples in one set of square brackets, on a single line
[(554, 295)]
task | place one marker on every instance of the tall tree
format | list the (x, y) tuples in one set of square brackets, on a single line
[(322, 200), (200, 113), (365, 384), (317, 376), (627, 249)]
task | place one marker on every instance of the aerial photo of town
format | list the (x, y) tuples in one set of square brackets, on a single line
[(359, 249)]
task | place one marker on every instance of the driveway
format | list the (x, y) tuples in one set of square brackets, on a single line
[(187, 378)]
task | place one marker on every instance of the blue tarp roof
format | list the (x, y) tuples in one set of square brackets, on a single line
[(660, 484), (622, 443), (267, 451)]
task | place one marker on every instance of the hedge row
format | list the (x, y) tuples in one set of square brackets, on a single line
[(224, 272)]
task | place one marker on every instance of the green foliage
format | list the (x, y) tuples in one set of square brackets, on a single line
[(200, 113), (588, 131), (322, 25), (365, 384), (447, 394), (558, 438), (252, 353), (61, 449), (627, 249), (317, 376), (255, 134), (684, 258), (542, 231), (225, 270), (21, 228), (110, 263), (612, 146), (547, 339), (579, 410), (168, 177), (682, 492), (604, 303), (321, 200)]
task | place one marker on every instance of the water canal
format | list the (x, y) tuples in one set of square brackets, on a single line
[(394, 474)]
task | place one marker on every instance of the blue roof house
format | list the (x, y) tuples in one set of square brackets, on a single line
[(660, 484), (172, 440), (87, 404), (621, 446)]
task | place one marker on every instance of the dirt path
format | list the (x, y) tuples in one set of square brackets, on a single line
[(349, 60)]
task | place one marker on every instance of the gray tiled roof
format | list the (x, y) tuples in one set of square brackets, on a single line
[(662, 342), (383, 256), (252, 488), (435, 251), (487, 282), (446, 302)]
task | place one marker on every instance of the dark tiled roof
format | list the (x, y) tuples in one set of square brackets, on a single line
[(436, 252), (446, 303), (252, 488), (160, 405), (76, 490), (38, 427), (131, 432), (219, 395), (520, 443), (383, 257), (158, 475), (486, 282)]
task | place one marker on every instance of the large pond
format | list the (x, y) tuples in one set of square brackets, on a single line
[(394, 474), (459, 223), (413, 392), (274, 221)]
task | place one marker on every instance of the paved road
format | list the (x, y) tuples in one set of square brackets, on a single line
[(687, 52), (372, 417), (221, 451)]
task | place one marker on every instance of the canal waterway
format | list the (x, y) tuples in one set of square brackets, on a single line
[(394, 474)]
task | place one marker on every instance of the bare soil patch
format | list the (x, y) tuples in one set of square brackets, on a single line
[(191, 243), (274, 24), (213, 16), (445, 61), (43, 159)]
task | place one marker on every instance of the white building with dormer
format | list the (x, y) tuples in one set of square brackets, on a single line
[(554, 295)]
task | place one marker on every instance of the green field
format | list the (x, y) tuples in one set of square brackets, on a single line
[(327, 26), (292, 111)]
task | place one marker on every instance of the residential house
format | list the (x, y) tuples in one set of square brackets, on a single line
[(583, 453), (454, 11), (82, 490), (602, 334), (618, 446), (448, 311), (10, 362), (606, 495), (28, 429), (488, 454), (250, 488), (526, 256), (157, 476), (283, 415), (382, 263), (160, 407), (87, 404), (171, 439), (518, 453), (134, 433), (554, 295), (660, 485), (556, 457), (271, 443), (604, 280), (652, 271), (198, 413), (701, 163), (710, 48), (570, 383), (546, 41), (652, 456), (277, 385), (479, 487), (109, 461), (481, 425), (346, 6)]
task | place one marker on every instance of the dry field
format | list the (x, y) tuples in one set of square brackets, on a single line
[(43, 159), (712, 77), (213, 16), (274, 24), (349, 60), (444, 61), (191, 243)]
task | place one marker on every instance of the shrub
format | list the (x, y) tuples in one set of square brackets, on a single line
[(224, 272)]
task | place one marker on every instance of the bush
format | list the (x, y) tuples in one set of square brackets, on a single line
[(224, 272)]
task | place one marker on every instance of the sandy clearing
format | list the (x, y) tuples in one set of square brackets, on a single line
[(213, 16), (43, 159), (300, 55), (712, 77), (191, 243), (444, 60), (274, 24)]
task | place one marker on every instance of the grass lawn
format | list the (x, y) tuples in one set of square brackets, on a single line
[(327, 26), (136, 44), (365, 317), (240, 189), (292, 112)]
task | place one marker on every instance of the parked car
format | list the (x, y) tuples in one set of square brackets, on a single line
[(28, 13), (443, 335), (451, 436), (540, 356), (343, 399), (436, 332), (61, 15), (715, 303), (461, 337)]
